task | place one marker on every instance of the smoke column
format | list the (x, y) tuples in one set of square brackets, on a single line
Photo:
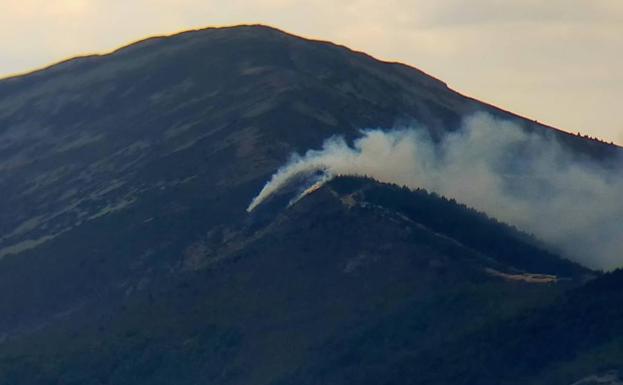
[(524, 179)]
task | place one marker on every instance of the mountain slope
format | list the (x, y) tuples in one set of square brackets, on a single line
[(126, 253), (255, 304), (576, 339)]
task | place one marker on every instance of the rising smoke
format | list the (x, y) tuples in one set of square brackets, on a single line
[(521, 178)]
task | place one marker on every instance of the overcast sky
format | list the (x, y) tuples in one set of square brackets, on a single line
[(557, 61)]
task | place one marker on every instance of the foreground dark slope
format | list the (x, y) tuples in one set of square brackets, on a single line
[(125, 247), (290, 289)]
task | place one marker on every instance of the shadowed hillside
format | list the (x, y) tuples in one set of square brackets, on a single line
[(257, 302)]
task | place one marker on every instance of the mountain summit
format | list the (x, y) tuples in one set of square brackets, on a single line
[(127, 255)]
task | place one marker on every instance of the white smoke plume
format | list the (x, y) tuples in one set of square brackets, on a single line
[(521, 178)]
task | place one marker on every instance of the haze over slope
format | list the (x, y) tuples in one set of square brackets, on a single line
[(526, 179)]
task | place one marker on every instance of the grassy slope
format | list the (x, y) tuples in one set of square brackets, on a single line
[(321, 286)]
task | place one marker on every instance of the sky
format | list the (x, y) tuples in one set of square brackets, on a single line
[(556, 61)]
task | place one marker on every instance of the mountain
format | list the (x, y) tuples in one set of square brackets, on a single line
[(128, 256)]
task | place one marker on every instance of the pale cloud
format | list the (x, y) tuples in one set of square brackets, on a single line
[(557, 61)]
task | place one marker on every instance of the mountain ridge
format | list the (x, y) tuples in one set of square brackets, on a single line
[(146, 42), (137, 44)]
